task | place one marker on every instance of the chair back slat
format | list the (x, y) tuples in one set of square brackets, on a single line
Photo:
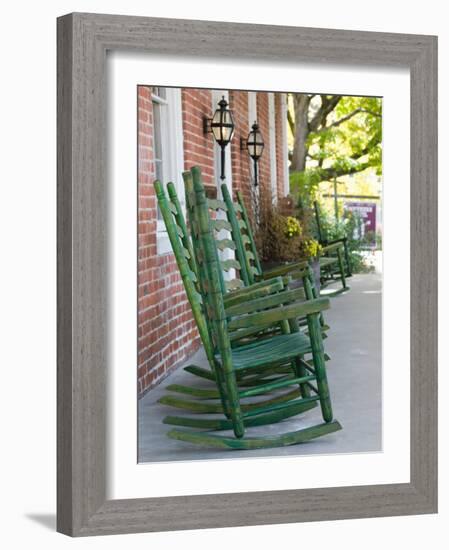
[(216, 204), (234, 284), (230, 264), (251, 246), (223, 244), (220, 224)]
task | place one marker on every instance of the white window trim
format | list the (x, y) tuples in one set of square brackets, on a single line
[(173, 155), (272, 137), (252, 117), (284, 108)]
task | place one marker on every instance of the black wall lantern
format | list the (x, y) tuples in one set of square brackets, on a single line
[(222, 127), (254, 144)]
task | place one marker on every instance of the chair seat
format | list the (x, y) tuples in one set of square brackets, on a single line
[(277, 349)]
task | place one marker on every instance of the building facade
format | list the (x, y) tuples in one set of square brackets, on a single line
[(171, 139)]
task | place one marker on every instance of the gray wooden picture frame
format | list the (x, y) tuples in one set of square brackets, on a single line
[(83, 40)]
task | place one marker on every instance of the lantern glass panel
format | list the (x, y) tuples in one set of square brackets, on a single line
[(222, 126), (255, 144), (216, 130), (227, 133)]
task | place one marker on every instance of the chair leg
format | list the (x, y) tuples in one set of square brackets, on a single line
[(320, 366), (347, 259), (342, 267), (300, 372)]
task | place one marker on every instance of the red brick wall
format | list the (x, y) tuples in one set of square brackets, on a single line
[(198, 146), (281, 146), (166, 330)]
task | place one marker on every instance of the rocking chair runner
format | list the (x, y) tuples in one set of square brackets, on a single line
[(273, 350)]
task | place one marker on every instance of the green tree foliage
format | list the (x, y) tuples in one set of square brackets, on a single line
[(333, 136)]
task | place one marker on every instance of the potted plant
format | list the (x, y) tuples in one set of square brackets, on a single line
[(311, 249), (278, 236)]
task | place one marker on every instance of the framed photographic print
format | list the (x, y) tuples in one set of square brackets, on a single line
[(247, 277)]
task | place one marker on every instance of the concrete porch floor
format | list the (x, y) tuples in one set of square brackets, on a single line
[(355, 380)]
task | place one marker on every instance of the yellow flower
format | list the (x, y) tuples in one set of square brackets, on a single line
[(293, 227), (312, 248)]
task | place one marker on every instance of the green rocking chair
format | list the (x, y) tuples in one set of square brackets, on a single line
[(335, 263), (277, 349), (183, 250)]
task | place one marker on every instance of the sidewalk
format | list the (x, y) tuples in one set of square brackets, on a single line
[(355, 381)]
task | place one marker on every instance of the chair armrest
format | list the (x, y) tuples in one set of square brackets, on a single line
[(331, 247), (257, 290), (281, 298), (326, 242), (285, 269), (280, 313)]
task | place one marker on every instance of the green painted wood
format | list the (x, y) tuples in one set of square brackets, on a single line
[(229, 264), (201, 393), (273, 357), (257, 290), (203, 407), (233, 285), (266, 302), (220, 224), (187, 243), (299, 270), (270, 407), (279, 314), (320, 367), (199, 371), (225, 424), (236, 236), (223, 244), (328, 261), (283, 440), (214, 298), (177, 233), (295, 269), (341, 266), (239, 337), (208, 375), (249, 231), (329, 248), (312, 293), (263, 388), (216, 204), (184, 267)]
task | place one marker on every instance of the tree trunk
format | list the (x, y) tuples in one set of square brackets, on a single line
[(301, 104)]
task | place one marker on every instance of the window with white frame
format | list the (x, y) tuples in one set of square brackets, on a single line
[(168, 150)]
